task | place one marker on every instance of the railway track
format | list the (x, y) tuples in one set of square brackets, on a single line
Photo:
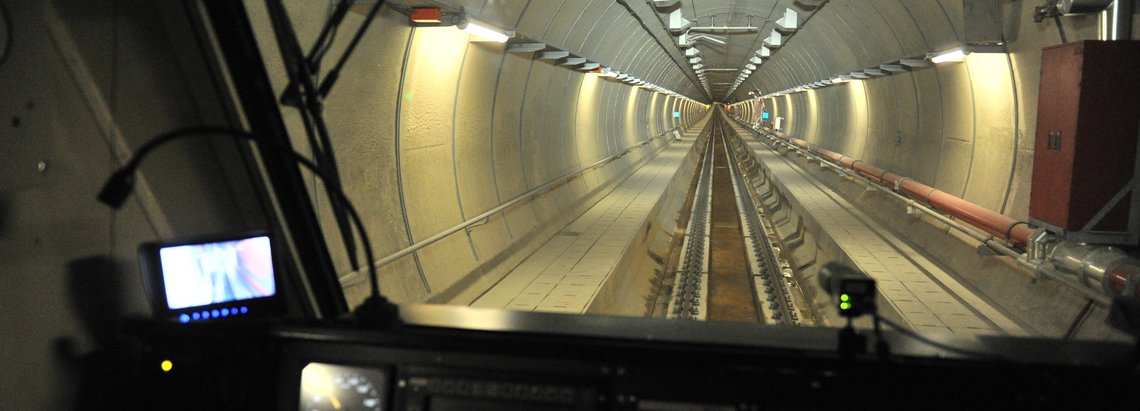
[(690, 285), (729, 267)]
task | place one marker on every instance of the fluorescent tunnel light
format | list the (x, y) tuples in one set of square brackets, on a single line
[(484, 32), (956, 55)]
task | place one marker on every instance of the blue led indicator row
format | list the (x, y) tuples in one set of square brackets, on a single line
[(215, 313)]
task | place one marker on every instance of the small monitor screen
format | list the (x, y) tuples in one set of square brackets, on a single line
[(764, 115), (210, 273)]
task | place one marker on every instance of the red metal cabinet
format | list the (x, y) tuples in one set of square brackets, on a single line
[(1088, 114)]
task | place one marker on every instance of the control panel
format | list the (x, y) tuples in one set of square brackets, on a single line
[(228, 365)]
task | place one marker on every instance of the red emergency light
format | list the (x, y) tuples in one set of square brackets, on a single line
[(427, 15)]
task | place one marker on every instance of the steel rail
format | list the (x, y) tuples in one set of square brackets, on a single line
[(776, 290), (690, 286)]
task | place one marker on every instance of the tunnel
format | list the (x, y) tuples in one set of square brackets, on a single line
[(688, 160)]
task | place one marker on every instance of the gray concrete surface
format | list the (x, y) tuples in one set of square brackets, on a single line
[(432, 129), (585, 266)]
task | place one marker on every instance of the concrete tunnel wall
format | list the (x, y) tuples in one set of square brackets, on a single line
[(87, 81), (964, 128), (432, 129), (85, 84)]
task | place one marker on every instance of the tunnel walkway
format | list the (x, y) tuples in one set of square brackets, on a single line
[(927, 298), (567, 272)]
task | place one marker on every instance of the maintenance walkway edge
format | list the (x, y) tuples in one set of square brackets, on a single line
[(929, 299), (566, 273)]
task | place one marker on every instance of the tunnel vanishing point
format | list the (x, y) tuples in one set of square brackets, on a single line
[(688, 159)]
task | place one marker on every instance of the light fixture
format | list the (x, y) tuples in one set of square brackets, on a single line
[(552, 54), (955, 55), (525, 47), (788, 23), (482, 32), (572, 61), (426, 15), (893, 68), (914, 63), (774, 40)]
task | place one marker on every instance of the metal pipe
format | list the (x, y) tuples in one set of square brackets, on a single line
[(1097, 272), (846, 162), (709, 37), (1016, 232), (1107, 269), (725, 29), (987, 240)]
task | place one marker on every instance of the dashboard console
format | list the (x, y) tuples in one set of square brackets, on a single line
[(459, 358)]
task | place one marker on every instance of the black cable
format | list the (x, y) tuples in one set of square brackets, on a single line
[(1060, 389), (333, 74), (7, 19), (333, 17), (1060, 29), (932, 343), (124, 173), (297, 68), (364, 241)]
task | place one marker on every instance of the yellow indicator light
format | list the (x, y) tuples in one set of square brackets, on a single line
[(844, 297), (166, 365), (844, 306)]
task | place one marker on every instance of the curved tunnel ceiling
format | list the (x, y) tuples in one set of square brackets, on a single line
[(723, 62), (633, 37), (850, 36), (449, 129), (621, 35)]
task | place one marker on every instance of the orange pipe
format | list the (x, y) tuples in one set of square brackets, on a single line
[(1016, 232)]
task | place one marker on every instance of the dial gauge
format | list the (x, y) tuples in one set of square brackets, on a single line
[(328, 387)]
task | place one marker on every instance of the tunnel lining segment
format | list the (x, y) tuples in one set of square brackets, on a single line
[(567, 273)]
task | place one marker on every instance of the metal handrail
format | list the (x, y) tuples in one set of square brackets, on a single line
[(986, 239), (406, 251)]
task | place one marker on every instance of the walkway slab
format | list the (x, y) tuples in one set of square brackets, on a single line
[(928, 298), (566, 273)]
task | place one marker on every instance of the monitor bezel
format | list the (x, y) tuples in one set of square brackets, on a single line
[(150, 265)]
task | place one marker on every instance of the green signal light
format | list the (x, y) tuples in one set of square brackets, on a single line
[(844, 297), (845, 306)]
